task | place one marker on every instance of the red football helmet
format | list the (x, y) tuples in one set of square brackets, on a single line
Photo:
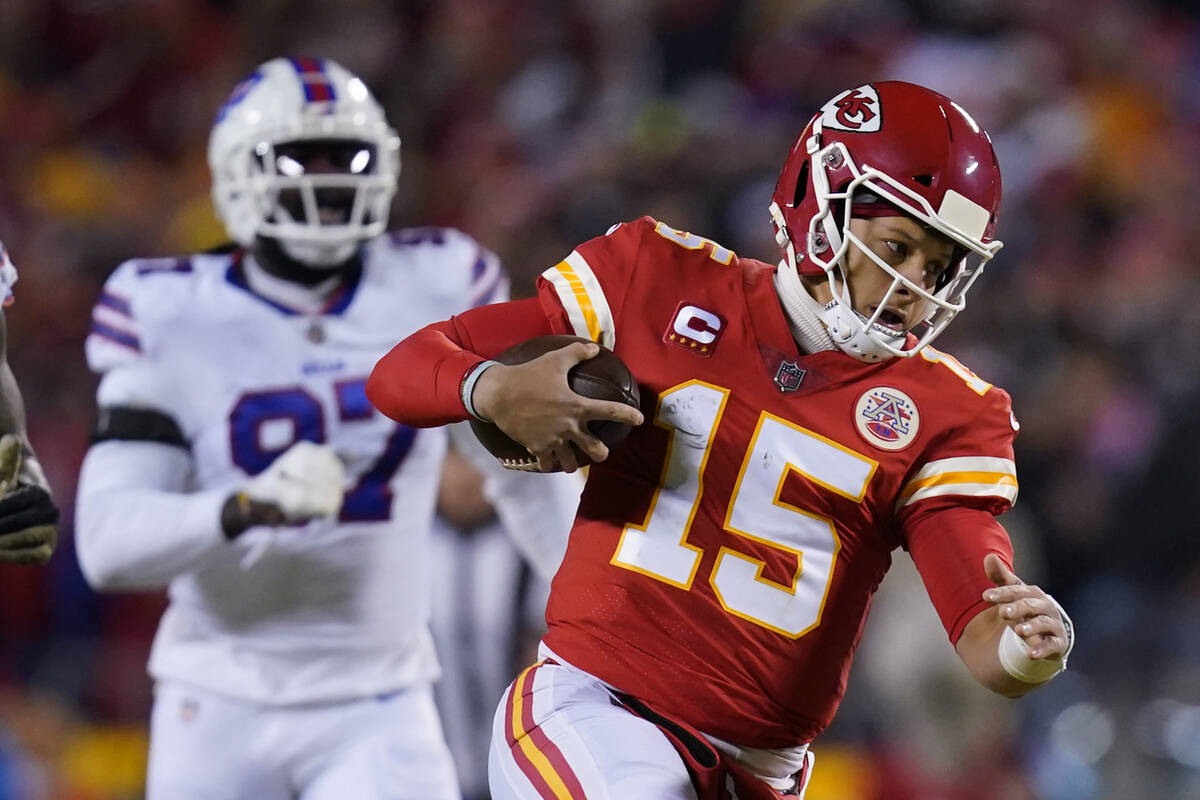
[(914, 149)]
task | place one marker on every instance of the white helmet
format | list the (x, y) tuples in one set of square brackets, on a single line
[(284, 111)]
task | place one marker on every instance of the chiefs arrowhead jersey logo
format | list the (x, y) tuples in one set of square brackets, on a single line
[(857, 111), (694, 329)]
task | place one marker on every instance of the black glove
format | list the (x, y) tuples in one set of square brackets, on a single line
[(28, 526)]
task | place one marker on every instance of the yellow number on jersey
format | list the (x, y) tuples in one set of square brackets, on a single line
[(722, 255)]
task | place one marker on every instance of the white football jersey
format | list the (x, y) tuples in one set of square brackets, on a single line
[(334, 608)]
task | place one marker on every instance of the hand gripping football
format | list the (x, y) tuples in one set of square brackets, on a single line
[(602, 377)]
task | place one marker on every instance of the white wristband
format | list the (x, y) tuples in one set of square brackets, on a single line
[(468, 387), (1014, 655)]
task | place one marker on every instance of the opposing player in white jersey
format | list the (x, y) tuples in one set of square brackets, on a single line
[(237, 461), (28, 515)]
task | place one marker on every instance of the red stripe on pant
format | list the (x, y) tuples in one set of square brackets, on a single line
[(566, 784)]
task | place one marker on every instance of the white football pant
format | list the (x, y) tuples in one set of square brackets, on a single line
[(209, 746), (573, 742)]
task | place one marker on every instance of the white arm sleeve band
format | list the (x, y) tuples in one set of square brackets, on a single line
[(135, 527)]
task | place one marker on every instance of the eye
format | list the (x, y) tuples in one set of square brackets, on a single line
[(898, 249), (933, 271)]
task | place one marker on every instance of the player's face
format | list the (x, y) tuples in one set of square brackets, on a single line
[(323, 157), (914, 251)]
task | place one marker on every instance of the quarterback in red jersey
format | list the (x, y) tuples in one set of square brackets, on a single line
[(800, 429)]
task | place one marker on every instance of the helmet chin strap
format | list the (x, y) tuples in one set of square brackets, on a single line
[(819, 327), (802, 311), (280, 258)]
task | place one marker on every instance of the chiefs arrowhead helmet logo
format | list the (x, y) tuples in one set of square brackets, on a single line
[(857, 111)]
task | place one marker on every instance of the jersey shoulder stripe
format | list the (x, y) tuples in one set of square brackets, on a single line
[(582, 297), (140, 294), (970, 476)]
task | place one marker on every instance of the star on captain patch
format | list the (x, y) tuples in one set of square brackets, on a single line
[(788, 376)]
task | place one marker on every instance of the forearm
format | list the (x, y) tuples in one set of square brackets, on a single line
[(419, 381), (135, 526)]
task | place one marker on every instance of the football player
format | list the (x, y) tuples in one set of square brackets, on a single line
[(28, 515), (800, 429), (238, 462)]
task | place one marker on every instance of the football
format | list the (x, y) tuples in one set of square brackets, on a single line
[(602, 377)]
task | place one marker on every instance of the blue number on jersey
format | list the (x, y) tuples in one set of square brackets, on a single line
[(256, 409), (370, 499)]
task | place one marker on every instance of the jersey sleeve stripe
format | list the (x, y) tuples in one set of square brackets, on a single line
[(972, 476), (117, 336), (966, 464), (581, 296), (116, 303), (487, 279), (1007, 491)]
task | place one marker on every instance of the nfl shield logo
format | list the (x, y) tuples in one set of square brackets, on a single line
[(788, 377)]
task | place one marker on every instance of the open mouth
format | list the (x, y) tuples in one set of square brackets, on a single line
[(890, 321), (333, 205)]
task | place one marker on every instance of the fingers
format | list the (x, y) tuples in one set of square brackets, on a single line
[(997, 572), (35, 555), (1044, 637), (576, 352), (592, 448), (1033, 617), (609, 410), (569, 457), (10, 462), (30, 546), (1040, 627)]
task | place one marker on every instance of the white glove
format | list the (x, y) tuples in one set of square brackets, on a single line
[(305, 482)]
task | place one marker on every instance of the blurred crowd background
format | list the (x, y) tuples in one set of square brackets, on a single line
[(536, 124)]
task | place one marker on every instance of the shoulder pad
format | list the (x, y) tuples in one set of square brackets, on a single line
[(447, 261), (133, 297)]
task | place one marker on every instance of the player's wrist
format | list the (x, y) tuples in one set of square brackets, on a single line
[(235, 515), (476, 399), (1016, 661), (240, 512)]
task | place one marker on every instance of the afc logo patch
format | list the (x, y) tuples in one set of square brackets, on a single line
[(694, 329), (887, 418)]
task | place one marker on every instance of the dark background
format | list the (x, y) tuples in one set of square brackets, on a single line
[(535, 124)]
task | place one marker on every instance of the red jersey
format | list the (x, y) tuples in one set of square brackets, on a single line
[(724, 557)]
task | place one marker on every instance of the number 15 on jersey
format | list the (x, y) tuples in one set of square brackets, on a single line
[(659, 547)]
